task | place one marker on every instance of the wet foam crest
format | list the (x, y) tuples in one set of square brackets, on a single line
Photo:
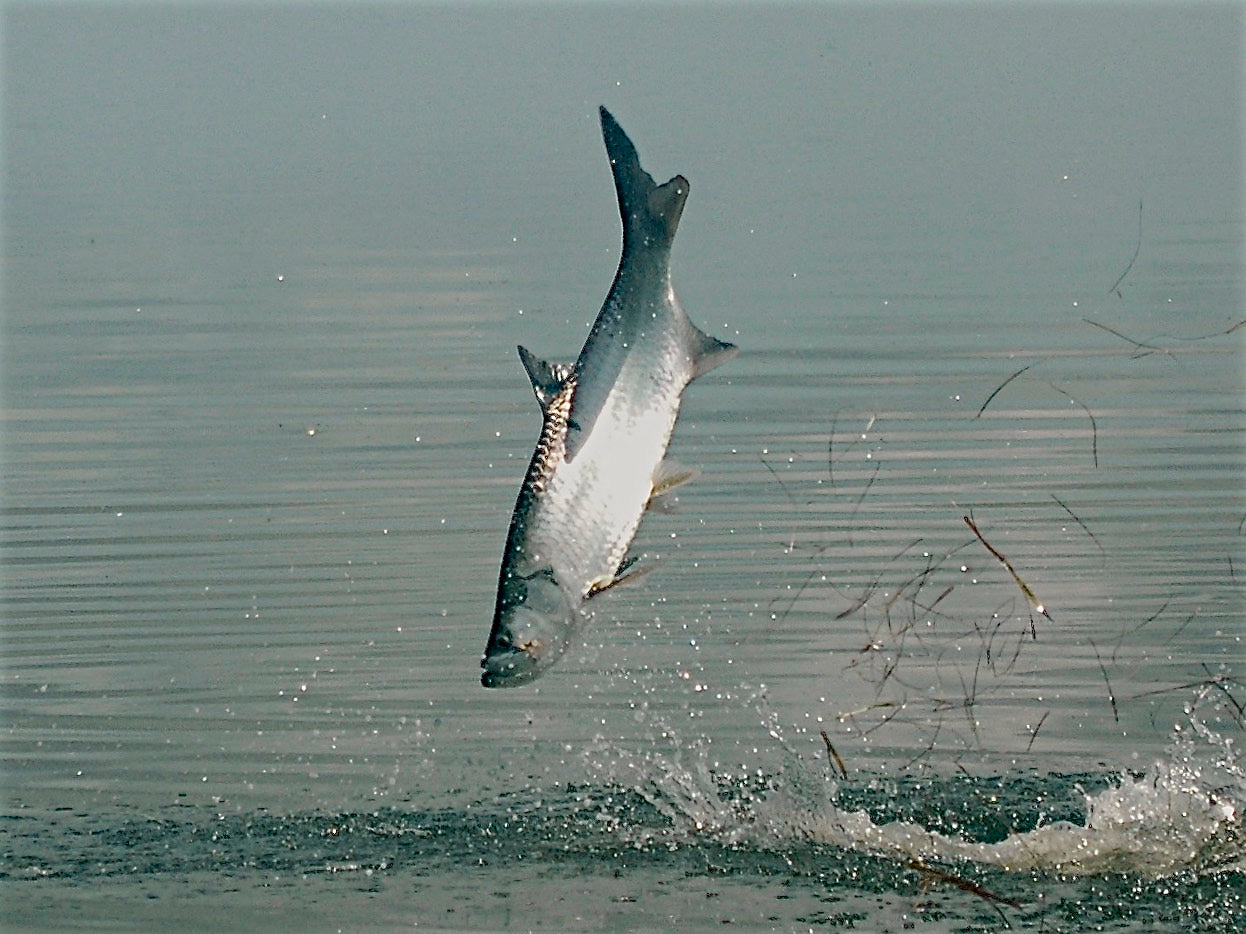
[(1183, 814)]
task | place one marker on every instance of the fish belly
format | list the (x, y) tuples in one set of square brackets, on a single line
[(595, 502)]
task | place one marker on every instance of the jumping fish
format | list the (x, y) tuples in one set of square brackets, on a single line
[(608, 417)]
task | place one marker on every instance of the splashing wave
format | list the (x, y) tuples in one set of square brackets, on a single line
[(1183, 814)]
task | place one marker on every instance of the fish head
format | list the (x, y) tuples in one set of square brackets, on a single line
[(532, 626)]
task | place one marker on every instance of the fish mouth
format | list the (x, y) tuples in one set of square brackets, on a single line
[(509, 668)]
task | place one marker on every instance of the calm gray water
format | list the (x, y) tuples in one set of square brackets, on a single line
[(263, 425)]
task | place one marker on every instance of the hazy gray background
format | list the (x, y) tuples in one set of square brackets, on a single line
[(813, 130)]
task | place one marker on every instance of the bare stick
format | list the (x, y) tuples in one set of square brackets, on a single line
[(999, 387), (966, 885), (857, 504), (1137, 249), (1074, 517), (1149, 348), (1206, 337), (791, 499), (1094, 426), (1129, 632), (830, 447), (1111, 696), (873, 585), (1035, 603), (1034, 732), (830, 750), (1180, 629)]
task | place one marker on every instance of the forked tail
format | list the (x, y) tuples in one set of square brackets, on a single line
[(650, 211)]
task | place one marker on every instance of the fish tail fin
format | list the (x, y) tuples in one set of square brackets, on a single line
[(650, 211)]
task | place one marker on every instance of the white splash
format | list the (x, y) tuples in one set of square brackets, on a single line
[(1184, 814)]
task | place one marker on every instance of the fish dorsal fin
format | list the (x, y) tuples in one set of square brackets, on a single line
[(547, 378), (650, 211)]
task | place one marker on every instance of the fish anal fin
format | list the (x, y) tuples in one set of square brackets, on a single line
[(666, 479)]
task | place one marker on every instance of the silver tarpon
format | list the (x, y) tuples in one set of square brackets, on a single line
[(607, 420)]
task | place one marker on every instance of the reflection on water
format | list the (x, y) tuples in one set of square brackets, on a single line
[(258, 582)]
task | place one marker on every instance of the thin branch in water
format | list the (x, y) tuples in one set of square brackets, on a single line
[(1212, 680), (1143, 350), (919, 579), (1000, 387), (1094, 426), (965, 885), (885, 720), (1180, 629), (1034, 732), (929, 747), (1137, 248), (1103, 554), (830, 449), (1035, 603), (971, 698), (1218, 683), (795, 597), (857, 505), (939, 599), (1129, 632), (790, 498), (1207, 337), (834, 756), (1111, 695), (873, 585)]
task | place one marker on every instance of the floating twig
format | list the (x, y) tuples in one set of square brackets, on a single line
[(1217, 680), (1137, 249), (1103, 554), (1180, 629), (790, 498), (999, 387), (1111, 694), (1148, 348), (1094, 426), (1034, 732), (1206, 337), (830, 751), (873, 585), (1035, 603), (830, 449), (942, 875), (937, 600), (857, 504)]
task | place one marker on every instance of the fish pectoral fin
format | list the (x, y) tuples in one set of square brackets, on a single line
[(708, 352), (628, 573), (668, 478), (547, 378)]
